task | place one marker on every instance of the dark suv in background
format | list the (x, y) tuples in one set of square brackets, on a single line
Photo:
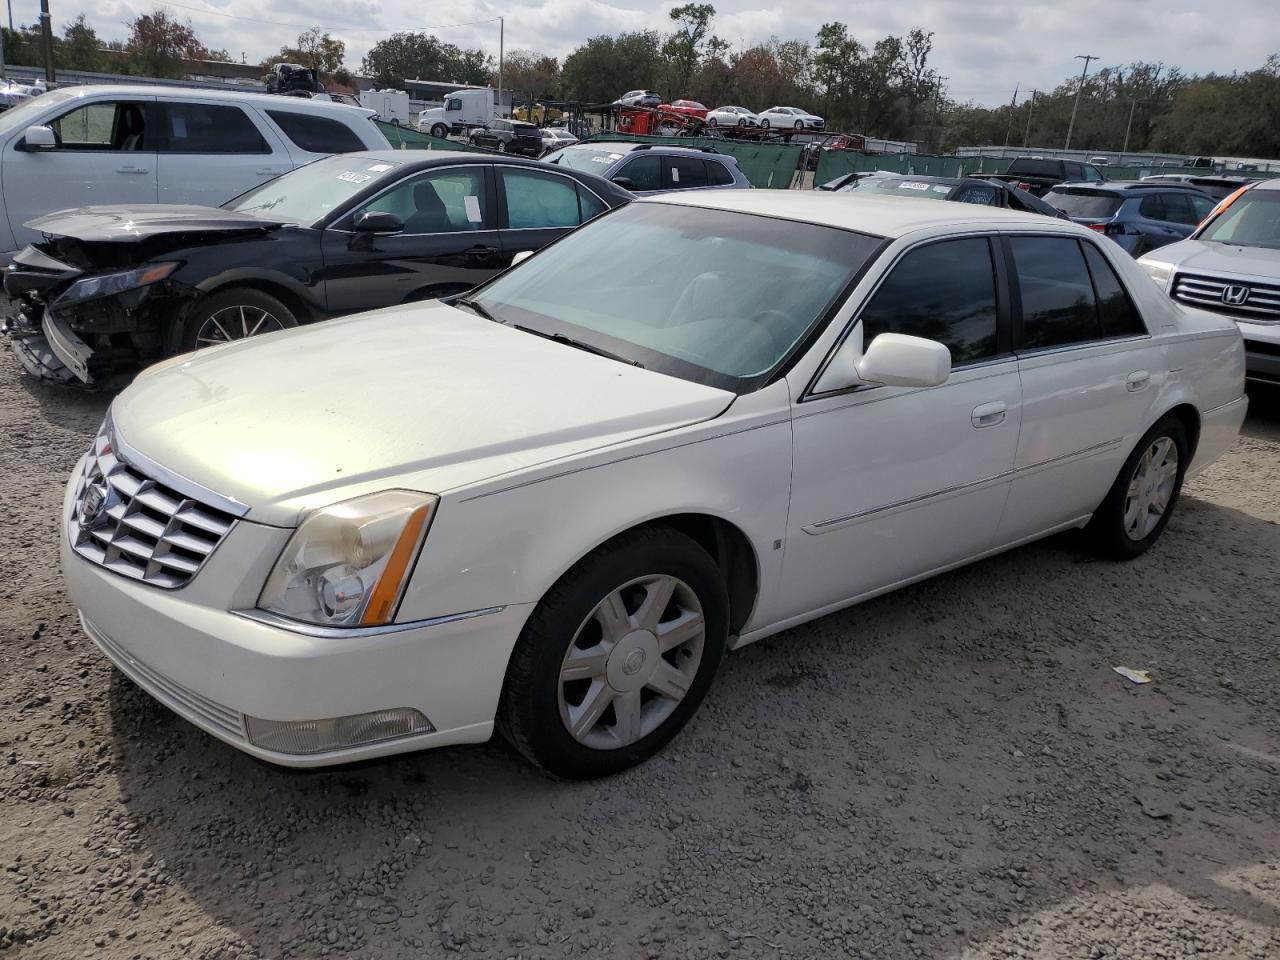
[(509, 136), (1137, 215)]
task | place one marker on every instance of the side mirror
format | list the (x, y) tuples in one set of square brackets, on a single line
[(40, 137), (377, 221), (626, 183), (522, 256), (898, 360)]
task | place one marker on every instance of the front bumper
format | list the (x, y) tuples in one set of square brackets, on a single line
[(1261, 350), (213, 667)]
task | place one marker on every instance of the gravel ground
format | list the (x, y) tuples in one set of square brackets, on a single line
[(951, 771)]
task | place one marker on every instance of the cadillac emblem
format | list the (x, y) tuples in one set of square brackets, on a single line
[(93, 502)]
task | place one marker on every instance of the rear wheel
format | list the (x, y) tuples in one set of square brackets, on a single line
[(799, 124), (1141, 501), (711, 122), (765, 123), (235, 314), (617, 656)]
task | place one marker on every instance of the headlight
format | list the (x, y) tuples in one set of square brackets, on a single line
[(347, 564), (108, 284), (1157, 270)]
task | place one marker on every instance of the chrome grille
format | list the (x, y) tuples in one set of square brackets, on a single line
[(137, 526), (1261, 302)]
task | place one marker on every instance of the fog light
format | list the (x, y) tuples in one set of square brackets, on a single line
[(335, 733)]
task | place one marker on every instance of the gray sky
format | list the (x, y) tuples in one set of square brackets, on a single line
[(984, 48)]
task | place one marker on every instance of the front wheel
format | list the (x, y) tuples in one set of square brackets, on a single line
[(1141, 501), (617, 656), (439, 131), (765, 124), (235, 314), (712, 122), (799, 124)]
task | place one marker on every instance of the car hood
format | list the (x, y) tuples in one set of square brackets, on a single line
[(108, 224), (423, 396), (1228, 258)]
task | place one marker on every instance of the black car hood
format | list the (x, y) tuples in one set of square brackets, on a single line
[(130, 224)]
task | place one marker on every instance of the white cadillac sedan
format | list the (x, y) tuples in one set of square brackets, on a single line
[(551, 506)]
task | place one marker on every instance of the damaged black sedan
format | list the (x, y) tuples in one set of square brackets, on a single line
[(108, 290)]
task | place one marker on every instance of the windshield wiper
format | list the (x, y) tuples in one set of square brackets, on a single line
[(475, 307), (589, 348)]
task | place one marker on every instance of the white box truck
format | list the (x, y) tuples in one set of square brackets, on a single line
[(391, 106), (462, 110)]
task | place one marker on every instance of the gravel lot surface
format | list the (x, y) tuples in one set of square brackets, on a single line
[(951, 771)]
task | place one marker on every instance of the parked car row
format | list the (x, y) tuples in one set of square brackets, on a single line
[(781, 118), (986, 191)]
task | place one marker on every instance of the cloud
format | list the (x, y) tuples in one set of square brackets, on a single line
[(983, 49)]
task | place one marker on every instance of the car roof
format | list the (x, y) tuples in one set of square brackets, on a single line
[(270, 101), (1127, 186), (1272, 184), (879, 215), (624, 146)]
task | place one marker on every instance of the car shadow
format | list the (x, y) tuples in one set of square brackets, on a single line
[(919, 775)]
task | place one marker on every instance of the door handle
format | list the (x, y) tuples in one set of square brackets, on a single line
[(1137, 380), (989, 414), (270, 171), (479, 251), (133, 170)]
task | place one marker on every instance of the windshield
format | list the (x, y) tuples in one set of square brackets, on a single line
[(592, 158), (311, 192), (27, 113), (1036, 168), (900, 188), (738, 292), (1079, 203), (1252, 221)]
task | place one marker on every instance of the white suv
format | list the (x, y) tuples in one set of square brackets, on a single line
[(1231, 265), (132, 144)]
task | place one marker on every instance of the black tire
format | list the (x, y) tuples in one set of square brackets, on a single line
[(395, 121), (765, 123), (742, 123), (799, 124), (439, 131), (711, 122), (529, 711), (222, 300), (1107, 530)]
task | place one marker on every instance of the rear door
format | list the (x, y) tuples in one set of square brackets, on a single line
[(536, 207), (210, 151), (449, 243), (106, 154), (1090, 374)]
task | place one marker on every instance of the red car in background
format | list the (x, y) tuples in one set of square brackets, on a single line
[(691, 108)]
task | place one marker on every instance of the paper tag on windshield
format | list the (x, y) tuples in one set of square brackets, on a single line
[(379, 167), (473, 208), (351, 176), (941, 189), (913, 186)]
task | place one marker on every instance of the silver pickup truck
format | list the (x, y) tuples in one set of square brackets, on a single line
[(1231, 265)]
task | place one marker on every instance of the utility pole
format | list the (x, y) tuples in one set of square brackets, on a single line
[(10, 14), (1127, 127), (1031, 106), (46, 31), (1087, 58), (1013, 105), (4, 74), (502, 26)]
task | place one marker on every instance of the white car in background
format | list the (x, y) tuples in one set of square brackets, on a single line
[(732, 117), (790, 118), (1231, 265), (580, 497), (122, 144), (553, 138)]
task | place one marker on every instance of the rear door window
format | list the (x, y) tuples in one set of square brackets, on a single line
[(539, 200), (1179, 209), (1202, 206), (207, 128), (316, 134), (718, 174), (1117, 315), (685, 172), (943, 291), (1154, 206), (1058, 305)]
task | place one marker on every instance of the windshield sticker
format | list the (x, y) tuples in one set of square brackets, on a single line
[(941, 189), (352, 176), (379, 167), (472, 203), (598, 159), (675, 175), (913, 186)]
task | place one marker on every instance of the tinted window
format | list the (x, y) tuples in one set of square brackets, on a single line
[(1154, 207), (538, 200), (1073, 171), (645, 173), (945, 292), (977, 193), (207, 128), (1057, 296), (589, 204), (1035, 168), (450, 201), (1202, 206), (1092, 174), (1178, 206), (686, 172), (718, 174), (1084, 204), (104, 126), (1116, 311), (316, 134)]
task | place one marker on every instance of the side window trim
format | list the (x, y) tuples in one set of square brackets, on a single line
[(1004, 290), (341, 222)]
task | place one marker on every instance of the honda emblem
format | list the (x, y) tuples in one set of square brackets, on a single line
[(1235, 295)]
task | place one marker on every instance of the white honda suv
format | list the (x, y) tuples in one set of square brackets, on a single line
[(1231, 265)]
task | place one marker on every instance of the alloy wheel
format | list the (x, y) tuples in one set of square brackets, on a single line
[(631, 662), (1150, 488), (235, 323)]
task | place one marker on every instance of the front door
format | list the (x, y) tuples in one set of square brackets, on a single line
[(1090, 377), (449, 243), (105, 155), (890, 483)]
